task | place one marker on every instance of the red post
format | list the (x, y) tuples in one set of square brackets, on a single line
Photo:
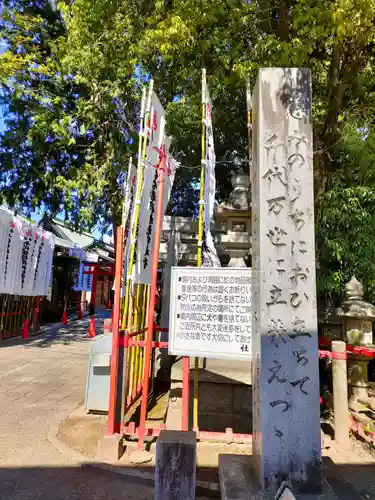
[(25, 331), (114, 424), (37, 314), (151, 308), (185, 393), (93, 288), (64, 319)]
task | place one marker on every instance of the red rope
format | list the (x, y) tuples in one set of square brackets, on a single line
[(355, 349)]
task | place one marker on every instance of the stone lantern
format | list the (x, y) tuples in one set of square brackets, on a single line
[(233, 224), (357, 316)]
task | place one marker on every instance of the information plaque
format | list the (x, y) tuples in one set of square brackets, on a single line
[(210, 313)]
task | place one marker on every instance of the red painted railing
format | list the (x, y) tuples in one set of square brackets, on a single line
[(12, 321)]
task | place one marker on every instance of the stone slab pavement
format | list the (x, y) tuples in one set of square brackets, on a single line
[(43, 380)]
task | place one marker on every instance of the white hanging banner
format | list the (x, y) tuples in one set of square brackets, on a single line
[(146, 223), (210, 258), (32, 242), (43, 268), (26, 254), (11, 250), (171, 167), (84, 281)]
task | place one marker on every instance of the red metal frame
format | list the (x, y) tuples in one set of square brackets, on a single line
[(141, 431), (151, 307), (228, 436), (114, 425)]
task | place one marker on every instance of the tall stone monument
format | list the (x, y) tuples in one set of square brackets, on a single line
[(286, 426)]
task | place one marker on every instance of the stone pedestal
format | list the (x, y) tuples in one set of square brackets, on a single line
[(110, 448), (357, 378), (233, 224), (357, 316), (286, 417)]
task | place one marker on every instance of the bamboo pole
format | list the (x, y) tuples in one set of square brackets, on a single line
[(136, 328), (130, 348), (146, 294), (200, 234), (142, 150), (126, 193)]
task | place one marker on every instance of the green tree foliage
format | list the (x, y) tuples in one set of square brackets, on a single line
[(62, 148), (345, 219)]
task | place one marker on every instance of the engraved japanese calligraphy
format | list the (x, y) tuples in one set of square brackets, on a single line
[(277, 331), (286, 392), (275, 370), (276, 236), (276, 295), (287, 404), (275, 205)]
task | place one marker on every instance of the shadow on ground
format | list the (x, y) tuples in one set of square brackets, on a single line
[(58, 334), (86, 482), (93, 482)]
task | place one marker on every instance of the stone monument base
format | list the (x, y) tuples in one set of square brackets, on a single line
[(225, 397), (238, 481)]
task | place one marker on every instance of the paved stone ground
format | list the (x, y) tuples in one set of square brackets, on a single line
[(42, 381)]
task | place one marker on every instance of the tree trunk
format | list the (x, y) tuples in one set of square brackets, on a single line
[(283, 21)]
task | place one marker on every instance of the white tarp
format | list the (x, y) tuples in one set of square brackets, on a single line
[(26, 254), (210, 258)]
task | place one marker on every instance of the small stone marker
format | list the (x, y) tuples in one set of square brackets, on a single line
[(340, 393), (286, 420), (175, 470)]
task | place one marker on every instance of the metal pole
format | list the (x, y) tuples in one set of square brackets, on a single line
[(114, 424), (249, 125), (185, 393), (200, 235), (154, 277), (93, 289), (126, 192)]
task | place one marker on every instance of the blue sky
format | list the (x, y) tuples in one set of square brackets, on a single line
[(1, 121)]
